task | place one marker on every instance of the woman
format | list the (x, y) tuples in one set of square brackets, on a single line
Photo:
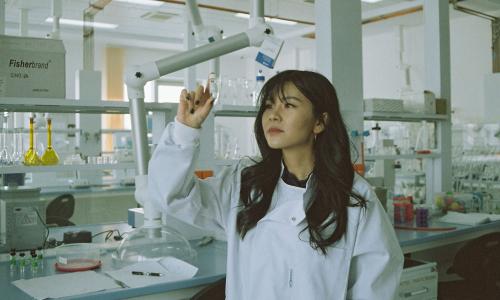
[(300, 224)]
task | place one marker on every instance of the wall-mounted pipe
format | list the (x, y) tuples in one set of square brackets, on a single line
[(495, 37), (204, 33), (56, 16), (257, 12), (88, 31), (23, 21), (194, 15), (2, 16)]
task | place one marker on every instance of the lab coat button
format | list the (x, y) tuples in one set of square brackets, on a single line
[(293, 219)]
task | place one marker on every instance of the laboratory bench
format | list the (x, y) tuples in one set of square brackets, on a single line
[(418, 240), (211, 259)]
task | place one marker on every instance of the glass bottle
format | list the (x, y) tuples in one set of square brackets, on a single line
[(5, 158), (50, 156), (376, 146), (214, 86), (422, 141), (17, 152), (31, 158), (259, 83)]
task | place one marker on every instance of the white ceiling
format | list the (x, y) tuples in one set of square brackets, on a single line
[(133, 30)]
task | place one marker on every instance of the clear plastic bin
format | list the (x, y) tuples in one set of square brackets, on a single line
[(77, 257)]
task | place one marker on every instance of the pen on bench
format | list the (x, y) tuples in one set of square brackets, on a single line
[(155, 274)]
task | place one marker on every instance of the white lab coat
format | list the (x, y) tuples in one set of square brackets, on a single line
[(275, 260)]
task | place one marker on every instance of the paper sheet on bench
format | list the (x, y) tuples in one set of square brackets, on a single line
[(65, 285), (468, 218), (172, 269)]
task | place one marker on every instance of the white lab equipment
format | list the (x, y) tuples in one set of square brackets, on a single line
[(154, 234), (22, 217)]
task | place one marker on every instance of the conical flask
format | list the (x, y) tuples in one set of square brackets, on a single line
[(31, 158), (50, 156)]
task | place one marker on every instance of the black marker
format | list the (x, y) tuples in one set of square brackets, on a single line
[(156, 274)]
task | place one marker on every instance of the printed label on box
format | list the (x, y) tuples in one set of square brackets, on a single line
[(269, 51)]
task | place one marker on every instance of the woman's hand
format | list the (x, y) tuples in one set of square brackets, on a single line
[(194, 106)]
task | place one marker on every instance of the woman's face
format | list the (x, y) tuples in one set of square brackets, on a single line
[(289, 122)]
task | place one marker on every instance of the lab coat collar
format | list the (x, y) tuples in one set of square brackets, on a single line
[(311, 182), (283, 171), (293, 213)]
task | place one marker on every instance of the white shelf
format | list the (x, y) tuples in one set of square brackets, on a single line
[(401, 156), (107, 131), (55, 105), (226, 110), (403, 116), (41, 130), (64, 168), (407, 174), (64, 131)]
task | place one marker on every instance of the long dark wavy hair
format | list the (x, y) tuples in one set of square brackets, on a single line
[(333, 171)]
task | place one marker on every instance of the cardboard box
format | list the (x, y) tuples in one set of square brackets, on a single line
[(383, 105), (440, 106), (32, 67)]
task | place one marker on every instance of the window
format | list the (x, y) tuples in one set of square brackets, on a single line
[(157, 91), (169, 91)]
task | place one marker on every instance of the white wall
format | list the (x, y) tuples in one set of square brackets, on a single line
[(470, 39)]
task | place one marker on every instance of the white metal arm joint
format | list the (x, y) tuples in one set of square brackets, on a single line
[(136, 78)]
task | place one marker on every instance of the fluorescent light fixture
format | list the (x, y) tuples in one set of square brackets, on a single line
[(242, 15), (80, 23), (371, 1), (281, 21), (272, 20), (142, 2)]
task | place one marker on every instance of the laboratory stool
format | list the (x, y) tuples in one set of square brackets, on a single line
[(478, 263), (214, 291), (60, 210)]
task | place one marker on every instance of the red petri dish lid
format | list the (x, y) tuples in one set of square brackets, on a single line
[(75, 265)]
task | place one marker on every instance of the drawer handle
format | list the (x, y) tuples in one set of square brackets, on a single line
[(414, 293)]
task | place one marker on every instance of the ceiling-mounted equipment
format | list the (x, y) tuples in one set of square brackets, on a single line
[(154, 232), (95, 6)]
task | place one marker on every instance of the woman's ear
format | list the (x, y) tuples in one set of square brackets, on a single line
[(321, 123)]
